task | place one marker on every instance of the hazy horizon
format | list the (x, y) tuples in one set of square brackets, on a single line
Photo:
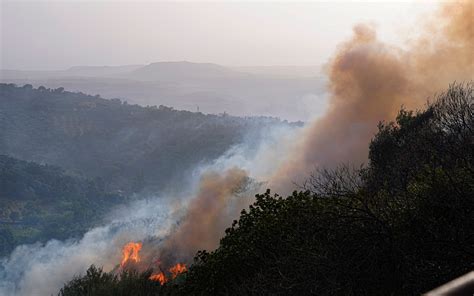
[(57, 35), (164, 61)]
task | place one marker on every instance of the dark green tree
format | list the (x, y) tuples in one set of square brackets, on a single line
[(400, 226)]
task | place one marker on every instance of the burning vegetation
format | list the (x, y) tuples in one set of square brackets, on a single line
[(208, 214), (174, 271), (131, 258), (130, 253), (159, 277)]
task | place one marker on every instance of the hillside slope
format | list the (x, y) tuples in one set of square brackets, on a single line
[(129, 147)]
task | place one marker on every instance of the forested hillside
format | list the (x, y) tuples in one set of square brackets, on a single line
[(67, 158), (41, 202), (402, 225), (129, 147)]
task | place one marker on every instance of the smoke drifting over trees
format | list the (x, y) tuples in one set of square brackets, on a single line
[(369, 81)]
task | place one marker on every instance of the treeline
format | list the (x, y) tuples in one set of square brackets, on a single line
[(402, 225), (42, 202), (128, 146)]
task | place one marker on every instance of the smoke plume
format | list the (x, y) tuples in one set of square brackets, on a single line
[(369, 81), (208, 214)]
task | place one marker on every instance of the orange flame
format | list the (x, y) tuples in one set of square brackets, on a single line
[(175, 271), (160, 277), (130, 253)]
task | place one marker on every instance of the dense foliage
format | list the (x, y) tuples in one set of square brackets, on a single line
[(128, 146), (98, 282), (41, 202), (400, 226)]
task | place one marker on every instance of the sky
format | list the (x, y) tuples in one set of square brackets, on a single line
[(50, 35)]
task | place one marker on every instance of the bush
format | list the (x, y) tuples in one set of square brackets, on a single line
[(99, 283)]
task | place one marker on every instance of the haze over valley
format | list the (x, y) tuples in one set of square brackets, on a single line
[(292, 93)]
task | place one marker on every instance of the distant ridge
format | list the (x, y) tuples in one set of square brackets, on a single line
[(75, 71), (289, 92), (172, 71), (166, 71)]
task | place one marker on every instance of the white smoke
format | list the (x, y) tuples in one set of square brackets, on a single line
[(42, 269)]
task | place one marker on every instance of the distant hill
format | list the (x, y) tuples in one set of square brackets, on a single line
[(169, 71), (183, 71), (129, 147)]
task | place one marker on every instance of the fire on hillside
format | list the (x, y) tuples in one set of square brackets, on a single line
[(131, 258)]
